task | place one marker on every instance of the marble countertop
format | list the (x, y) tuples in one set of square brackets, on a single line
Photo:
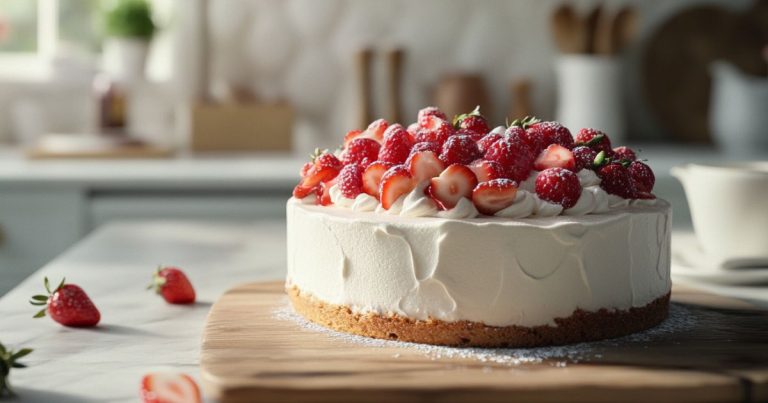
[(139, 332)]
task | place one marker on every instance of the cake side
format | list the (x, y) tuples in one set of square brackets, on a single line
[(496, 272)]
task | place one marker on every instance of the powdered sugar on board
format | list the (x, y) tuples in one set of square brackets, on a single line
[(680, 319)]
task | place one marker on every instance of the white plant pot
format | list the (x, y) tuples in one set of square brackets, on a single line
[(125, 58), (589, 95)]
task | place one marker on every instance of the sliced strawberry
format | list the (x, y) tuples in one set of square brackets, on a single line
[(168, 387), (361, 151), (350, 181), (396, 182), (624, 154), (376, 130), (372, 177), (494, 195), (585, 157), (615, 179), (514, 156), (459, 149), (301, 192), (487, 170), (412, 129), (451, 185), (325, 193), (424, 165), (429, 111), (555, 156), (305, 169), (351, 135), (485, 143), (434, 129), (325, 167), (642, 176), (594, 139), (559, 186), (397, 145)]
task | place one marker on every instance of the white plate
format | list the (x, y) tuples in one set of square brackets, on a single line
[(689, 262)]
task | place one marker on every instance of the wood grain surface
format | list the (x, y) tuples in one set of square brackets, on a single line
[(249, 354)]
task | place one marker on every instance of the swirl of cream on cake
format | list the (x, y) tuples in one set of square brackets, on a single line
[(463, 209), (417, 204), (524, 205), (365, 202)]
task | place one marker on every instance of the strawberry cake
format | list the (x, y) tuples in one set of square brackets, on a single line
[(449, 232)]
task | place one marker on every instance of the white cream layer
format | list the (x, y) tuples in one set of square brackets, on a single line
[(488, 269)]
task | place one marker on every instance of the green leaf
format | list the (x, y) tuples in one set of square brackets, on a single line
[(2, 349), (61, 284), (130, 19), (38, 303), (21, 353), (47, 285), (599, 159), (39, 314), (43, 298), (595, 140), (457, 119), (18, 365)]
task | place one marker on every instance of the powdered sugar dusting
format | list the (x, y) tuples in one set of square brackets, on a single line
[(680, 319)]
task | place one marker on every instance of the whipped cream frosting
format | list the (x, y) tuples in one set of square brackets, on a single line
[(498, 272)]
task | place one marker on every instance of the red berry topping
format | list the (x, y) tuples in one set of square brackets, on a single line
[(472, 122), (350, 181), (362, 151), (173, 285), (485, 143), (412, 129), (624, 154), (427, 112), (351, 135), (372, 177), (301, 192), (494, 195), (424, 165), (514, 156), (397, 145), (305, 169), (585, 157), (451, 185), (531, 138), (376, 130), (555, 156), (642, 176), (396, 182), (553, 133), (325, 167), (615, 180), (160, 387), (434, 129), (594, 139), (325, 193), (68, 305), (459, 149), (487, 170), (426, 146), (559, 186)]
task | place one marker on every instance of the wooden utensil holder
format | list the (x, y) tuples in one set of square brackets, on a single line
[(242, 127)]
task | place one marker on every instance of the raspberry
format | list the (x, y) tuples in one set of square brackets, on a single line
[(350, 181), (553, 133), (589, 137), (615, 180), (485, 143), (426, 146), (624, 154), (585, 157), (361, 151), (642, 176), (514, 156), (459, 149), (558, 185), (397, 145)]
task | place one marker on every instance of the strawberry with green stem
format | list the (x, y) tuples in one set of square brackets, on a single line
[(68, 305), (10, 359)]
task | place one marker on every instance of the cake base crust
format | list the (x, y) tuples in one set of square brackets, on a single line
[(581, 326)]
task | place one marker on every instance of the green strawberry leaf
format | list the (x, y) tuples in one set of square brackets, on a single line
[(21, 353)]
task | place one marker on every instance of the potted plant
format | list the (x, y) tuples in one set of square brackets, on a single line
[(129, 29)]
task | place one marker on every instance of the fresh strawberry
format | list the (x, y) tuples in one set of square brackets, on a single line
[(585, 157), (559, 186), (324, 194), (397, 145), (325, 166), (645, 195), (9, 360), (472, 122), (424, 165), (167, 387), (350, 181), (426, 146), (531, 138), (486, 141), (362, 151), (412, 129), (555, 156), (624, 154), (494, 195), (173, 285), (434, 129), (514, 156), (594, 139), (429, 112), (487, 170), (305, 169), (451, 185), (351, 135), (396, 182), (553, 133), (642, 176), (459, 149), (67, 304), (376, 130), (615, 180), (301, 192), (372, 177)]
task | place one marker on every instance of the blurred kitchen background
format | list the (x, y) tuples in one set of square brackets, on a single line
[(206, 109)]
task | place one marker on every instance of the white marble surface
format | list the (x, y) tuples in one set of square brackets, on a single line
[(138, 332)]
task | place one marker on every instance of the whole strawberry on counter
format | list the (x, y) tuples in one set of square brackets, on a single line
[(173, 285), (67, 304), (9, 359)]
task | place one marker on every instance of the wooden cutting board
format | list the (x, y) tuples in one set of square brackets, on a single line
[(249, 353)]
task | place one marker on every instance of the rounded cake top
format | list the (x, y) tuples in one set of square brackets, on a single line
[(462, 168)]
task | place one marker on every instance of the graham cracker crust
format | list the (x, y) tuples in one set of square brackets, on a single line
[(581, 326)]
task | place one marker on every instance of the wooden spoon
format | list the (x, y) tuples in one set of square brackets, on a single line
[(623, 29), (591, 23), (394, 79), (568, 30), (363, 69)]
